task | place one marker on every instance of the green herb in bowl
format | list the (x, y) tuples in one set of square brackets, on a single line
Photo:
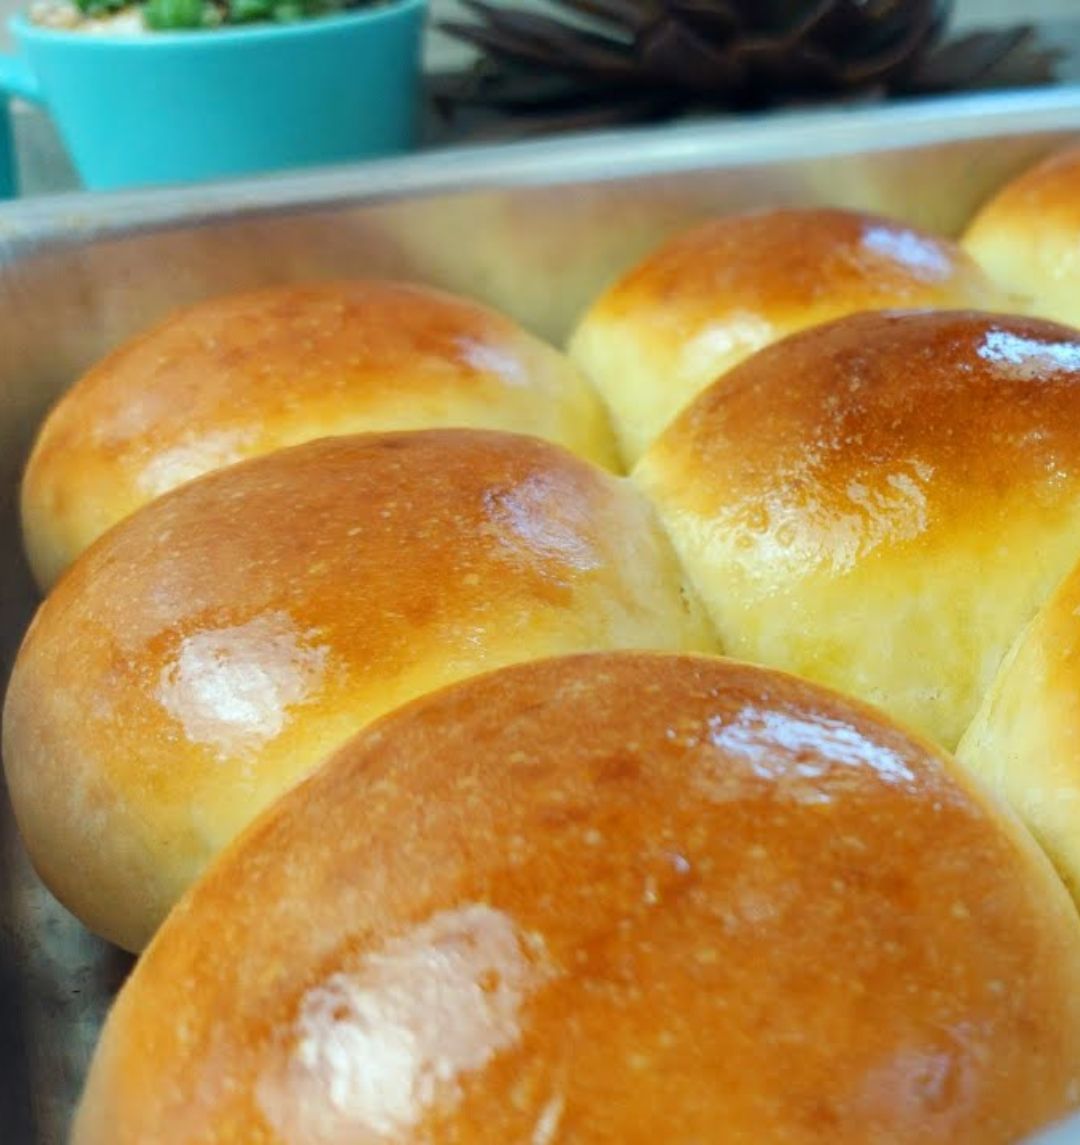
[(182, 15)]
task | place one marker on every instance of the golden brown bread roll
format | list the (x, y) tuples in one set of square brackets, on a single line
[(1025, 739), (616, 898), (243, 375), (204, 654), (883, 502), (1027, 237), (711, 297)]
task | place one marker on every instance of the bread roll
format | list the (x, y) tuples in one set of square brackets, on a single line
[(624, 898), (711, 297), (204, 654), (1025, 739), (883, 502), (240, 376), (1027, 237)]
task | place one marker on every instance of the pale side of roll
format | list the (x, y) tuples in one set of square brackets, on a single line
[(710, 297), (1025, 739), (883, 502), (209, 650), (1027, 237), (243, 375), (619, 898)]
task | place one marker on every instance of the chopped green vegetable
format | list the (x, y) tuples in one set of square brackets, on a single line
[(182, 15), (174, 15), (99, 7), (245, 11), (280, 11)]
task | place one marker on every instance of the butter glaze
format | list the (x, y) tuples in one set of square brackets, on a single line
[(213, 647), (709, 298), (233, 689), (374, 1050), (881, 503), (239, 376), (516, 911)]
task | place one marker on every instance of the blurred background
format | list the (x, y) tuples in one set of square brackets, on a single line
[(45, 168), (443, 53)]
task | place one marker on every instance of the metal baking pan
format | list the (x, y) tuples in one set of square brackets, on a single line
[(535, 229)]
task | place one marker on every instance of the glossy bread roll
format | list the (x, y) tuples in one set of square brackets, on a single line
[(239, 376), (711, 297), (1028, 237), (621, 898), (883, 502), (208, 651), (1025, 739)]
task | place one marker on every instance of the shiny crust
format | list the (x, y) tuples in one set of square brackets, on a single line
[(1025, 739), (711, 297), (621, 898), (1027, 237), (239, 376), (882, 503), (209, 650)]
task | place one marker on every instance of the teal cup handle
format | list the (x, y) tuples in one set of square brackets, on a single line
[(175, 107), (7, 153), (17, 79)]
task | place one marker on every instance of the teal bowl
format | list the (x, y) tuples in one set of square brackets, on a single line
[(174, 107)]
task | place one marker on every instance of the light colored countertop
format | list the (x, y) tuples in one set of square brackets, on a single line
[(44, 166)]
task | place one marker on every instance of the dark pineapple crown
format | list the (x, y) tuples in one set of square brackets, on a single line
[(623, 60)]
